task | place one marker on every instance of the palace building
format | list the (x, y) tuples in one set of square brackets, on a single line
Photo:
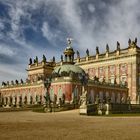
[(111, 75), (121, 66)]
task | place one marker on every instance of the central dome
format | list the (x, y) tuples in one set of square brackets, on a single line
[(67, 70)]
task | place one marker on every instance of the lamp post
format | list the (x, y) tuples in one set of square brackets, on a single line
[(47, 84), (84, 80)]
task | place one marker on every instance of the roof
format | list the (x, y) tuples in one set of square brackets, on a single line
[(68, 68)]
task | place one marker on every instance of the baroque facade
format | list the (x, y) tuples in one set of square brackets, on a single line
[(120, 65), (109, 74)]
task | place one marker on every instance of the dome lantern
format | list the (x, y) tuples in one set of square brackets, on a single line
[(69, 52)]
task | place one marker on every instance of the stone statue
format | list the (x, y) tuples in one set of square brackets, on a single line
[(135, 40), (107, 48), (78, 54), (12, 82), (30, 61), (97, 50), (44, 58), (27, 80), (16, 81), (87, 52), (53, 59), (118, 46), (3, 83), (61, 58), (69, 40), (122, 100), (129, 41), (83, 98), (21, 81), (8, 83), (36, 59)]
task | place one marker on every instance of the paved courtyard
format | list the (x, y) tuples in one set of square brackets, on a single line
[(67, 125)]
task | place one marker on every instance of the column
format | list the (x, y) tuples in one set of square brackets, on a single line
[(117, 73), (23, 99), (112, 97), (8, 101), (118, 97), (107, 96), (34, 98), (134, 83), (13, 100), (28, 98), (17, 101), (106, 74), (97, 72), (130, 79), (101, 96), (4, 100), (43, 100)]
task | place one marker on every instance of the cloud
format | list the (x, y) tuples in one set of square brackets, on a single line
[(6, 50), (34, 27), (91, 8)]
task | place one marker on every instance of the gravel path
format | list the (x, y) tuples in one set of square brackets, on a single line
[(68, 125)]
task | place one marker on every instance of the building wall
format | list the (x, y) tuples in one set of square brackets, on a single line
[(16, 94), (122, 68)]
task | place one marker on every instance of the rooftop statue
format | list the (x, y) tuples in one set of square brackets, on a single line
[(129, 41), (7, 82), (135, 40), (12, 82), (30, 61), (69, 40), (21, 81), (36, 59), (118, 45), (4, 84), (97, 50), (78, 54), (53, 59), (44, 58), (107, 48), (16, 81), (61, 57), (87, 52)]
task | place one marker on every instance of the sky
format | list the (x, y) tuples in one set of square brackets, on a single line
[(30, 28)]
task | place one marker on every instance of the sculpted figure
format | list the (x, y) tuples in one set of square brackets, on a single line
[(16, 81), (107, 48), (129, 41), (83, 98), (97, 50), (53, 59), (44, 58), (118, 46), (61, 57), (21, 81), (135, 40), (36, 59), (78, 54), (87, 52), (30, 61)]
